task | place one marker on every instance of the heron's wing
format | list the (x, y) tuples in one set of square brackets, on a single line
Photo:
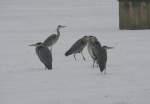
[(91, 51), (78, 45), (75, 48), (45, 56), (50, 40), (101, 54), (104, 55), (97, 50), (94, 56), (103, 60)]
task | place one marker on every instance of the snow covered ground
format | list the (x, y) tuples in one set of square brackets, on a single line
[(23, 79)]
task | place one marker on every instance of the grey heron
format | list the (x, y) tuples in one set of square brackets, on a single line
[(78, 47), (44, 54), (90, 47), (52, 39), (101, 56)]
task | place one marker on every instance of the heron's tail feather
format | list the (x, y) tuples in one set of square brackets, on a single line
[(69, 52), (101, 66), (49, 67)]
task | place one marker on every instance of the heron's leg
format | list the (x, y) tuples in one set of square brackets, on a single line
[(105, 71), (75, 57), (97, 66), (93, 63), (45, 68), (83, 56)]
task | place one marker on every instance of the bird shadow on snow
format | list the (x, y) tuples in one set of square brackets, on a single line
[(107, 75), (35, 69), (122, 102), (26, 70)]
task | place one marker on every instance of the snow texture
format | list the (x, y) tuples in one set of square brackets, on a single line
[(23, 79)]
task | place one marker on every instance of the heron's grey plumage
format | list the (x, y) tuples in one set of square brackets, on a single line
[(90, 46), (44, 54), (78, 47), (52, 39), (98, 52), (42, 49), (101, 55)]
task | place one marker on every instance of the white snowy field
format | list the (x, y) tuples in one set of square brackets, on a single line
[(23, 79)]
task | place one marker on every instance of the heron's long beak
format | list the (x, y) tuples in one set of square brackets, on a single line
[(32, 45), (64, 26), (109, 47)]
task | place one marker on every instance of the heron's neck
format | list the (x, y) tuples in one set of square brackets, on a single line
[(58, 32)]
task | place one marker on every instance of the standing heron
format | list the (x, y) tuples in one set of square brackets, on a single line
[(90, 47), (52, 39), (44, 54), (100, 53), (78, 47)]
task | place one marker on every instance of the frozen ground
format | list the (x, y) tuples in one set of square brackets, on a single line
[(23, 79)]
